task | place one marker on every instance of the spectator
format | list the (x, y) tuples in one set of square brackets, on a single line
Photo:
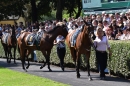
[(120, 24), (109, 34), (124, 20), (105, 24), (125, 35)]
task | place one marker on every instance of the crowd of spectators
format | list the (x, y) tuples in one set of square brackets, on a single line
[(116, 25)]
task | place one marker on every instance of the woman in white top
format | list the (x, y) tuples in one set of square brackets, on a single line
[(61, 50), (102, 45)]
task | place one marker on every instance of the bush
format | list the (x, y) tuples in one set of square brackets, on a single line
[(118, 64)]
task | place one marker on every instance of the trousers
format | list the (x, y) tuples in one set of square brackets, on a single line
[(61, 54), (102, 61)]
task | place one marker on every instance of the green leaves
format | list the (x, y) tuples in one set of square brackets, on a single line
[(11, 7), (119, 62)]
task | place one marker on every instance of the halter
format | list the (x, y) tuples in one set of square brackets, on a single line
[(92, 44)]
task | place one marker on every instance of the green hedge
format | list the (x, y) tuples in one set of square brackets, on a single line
[(118, 64)]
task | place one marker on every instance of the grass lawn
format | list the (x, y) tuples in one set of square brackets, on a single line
[(13, 78)]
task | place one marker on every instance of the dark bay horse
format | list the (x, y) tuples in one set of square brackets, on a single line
[(8, 42), (45, 45), (82, 46)]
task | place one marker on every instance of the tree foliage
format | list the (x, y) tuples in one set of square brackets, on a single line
[(12, 7), (34, 9), (69, 6)]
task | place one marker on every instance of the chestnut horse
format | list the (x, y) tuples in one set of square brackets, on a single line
[(8, 43), (82, 46), (45, 45)]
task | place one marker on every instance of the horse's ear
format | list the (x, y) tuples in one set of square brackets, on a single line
[(82, 28), (86, 22)]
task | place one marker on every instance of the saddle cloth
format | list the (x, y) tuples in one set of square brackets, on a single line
[(5, 37), (74, 37), (34, 39)]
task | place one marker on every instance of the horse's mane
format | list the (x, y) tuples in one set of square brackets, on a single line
[(52, 30), (59, 24), (83, 28)]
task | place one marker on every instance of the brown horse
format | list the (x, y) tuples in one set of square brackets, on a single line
[(82, 46), (8, 43), (45, 45)]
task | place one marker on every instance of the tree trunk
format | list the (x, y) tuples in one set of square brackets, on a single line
[(79, 8), (34, 11), (59, 10)]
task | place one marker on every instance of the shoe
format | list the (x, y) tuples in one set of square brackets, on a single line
[(35, 61), (102, 78), (62, 68)]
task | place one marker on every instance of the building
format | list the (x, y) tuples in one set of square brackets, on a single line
[(12, 19), (110, 6)]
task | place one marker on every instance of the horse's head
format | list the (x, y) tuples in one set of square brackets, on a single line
[(63, 29), (90, 28), (13, 37)]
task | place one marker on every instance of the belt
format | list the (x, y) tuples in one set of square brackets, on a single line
[(101, 51)]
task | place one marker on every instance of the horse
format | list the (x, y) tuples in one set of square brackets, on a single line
[(8, 42), (45, 46), (82, 46)]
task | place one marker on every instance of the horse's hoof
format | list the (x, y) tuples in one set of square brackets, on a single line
[(27, 67), (25, 70), (9, 61), (50, 70), (78, 76), (41, 67), (90, 79), (63, 69), (14, 62)]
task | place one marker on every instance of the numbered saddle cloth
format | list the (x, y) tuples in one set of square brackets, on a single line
[(74, 37), (34, 39), (5, 37)]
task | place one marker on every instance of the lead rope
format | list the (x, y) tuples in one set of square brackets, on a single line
[(94, 47)]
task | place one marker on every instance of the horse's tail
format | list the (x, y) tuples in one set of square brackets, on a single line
[(22, 36), (18, 49)]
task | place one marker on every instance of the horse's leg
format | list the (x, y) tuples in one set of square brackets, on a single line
[(6, 52), (78, 64), (9, 54), (73, 54), (47, 56), (48, 59), (44, 54), (88, 65), (27, 52), (22, 55), (14, 54)]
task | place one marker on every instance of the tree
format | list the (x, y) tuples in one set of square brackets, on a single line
[(18, 8), (39, 8), (13, 7), (34, 11), (79, 6)]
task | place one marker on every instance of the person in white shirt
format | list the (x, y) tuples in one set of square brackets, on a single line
[(61, 49), (102, 45)]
